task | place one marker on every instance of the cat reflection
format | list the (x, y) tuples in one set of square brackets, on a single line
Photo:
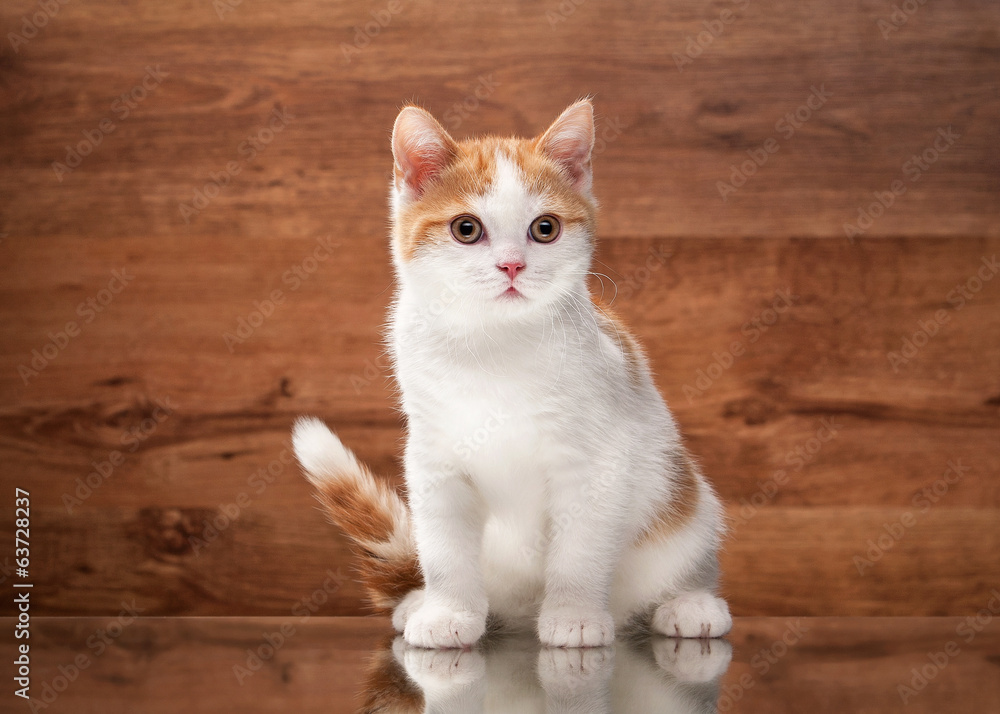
[(516, 675)]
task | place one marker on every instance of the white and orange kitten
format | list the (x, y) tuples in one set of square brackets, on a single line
[(547, 485)]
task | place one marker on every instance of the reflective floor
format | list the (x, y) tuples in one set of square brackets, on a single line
[(335, 665)]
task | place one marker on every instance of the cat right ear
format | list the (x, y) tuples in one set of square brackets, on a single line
[(421, 149), (570, 143)]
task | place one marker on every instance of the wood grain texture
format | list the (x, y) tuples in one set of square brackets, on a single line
[(692, 271), (876, 655), (680, 130), (158, 664), (824, 357), (269, 560)]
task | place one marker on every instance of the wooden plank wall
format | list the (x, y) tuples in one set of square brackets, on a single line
[(813, 424)]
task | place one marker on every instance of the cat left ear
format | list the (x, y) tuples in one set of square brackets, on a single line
[(570, 142), (421, 149)]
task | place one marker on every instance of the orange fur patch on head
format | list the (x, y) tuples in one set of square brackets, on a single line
[(425, 222), (681, 505), (545, 177)]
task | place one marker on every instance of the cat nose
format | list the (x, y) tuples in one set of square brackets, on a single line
[(511, 267)]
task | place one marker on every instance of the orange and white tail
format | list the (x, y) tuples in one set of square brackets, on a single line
[(368, 510)]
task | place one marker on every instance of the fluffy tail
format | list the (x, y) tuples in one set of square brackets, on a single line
[(368, 510)]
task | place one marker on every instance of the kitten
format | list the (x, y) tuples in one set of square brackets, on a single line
[(547, 483)]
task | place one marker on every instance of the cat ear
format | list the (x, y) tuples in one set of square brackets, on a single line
[(570, 141), (421, 148)]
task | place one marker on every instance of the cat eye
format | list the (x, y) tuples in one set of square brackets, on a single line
[(466, 229), (544, 229)]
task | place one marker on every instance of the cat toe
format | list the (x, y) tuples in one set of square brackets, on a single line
[(575, 627), (698, 615), (440, 627)]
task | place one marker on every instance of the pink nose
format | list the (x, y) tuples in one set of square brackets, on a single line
[(511, 267)]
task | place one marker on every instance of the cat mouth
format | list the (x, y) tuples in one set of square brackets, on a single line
[(511, 293)]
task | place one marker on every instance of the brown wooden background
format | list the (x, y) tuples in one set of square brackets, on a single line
[(326, 174)]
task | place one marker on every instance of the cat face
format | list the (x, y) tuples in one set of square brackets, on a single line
[(492, 228)]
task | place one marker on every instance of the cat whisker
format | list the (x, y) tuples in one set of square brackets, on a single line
[(475, 355), (601, 276), (607, 266), (489, 350), (586, 312)]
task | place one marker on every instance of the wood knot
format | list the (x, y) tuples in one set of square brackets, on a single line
[(172, 531)]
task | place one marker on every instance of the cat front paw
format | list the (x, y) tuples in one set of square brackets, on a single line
[(438, 627), (575, 627), (697, 614)]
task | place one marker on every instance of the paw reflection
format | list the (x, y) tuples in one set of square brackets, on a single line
[(575, 672), (515, 674), (439, 669), (696, 661)]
